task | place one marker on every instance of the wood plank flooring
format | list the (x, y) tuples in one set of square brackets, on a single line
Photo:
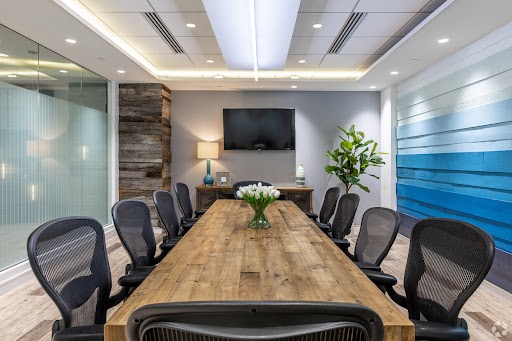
[(27, 313)]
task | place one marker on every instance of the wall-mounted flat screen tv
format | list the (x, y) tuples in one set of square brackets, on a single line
[(259, 129)]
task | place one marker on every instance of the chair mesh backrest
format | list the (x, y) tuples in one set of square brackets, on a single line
[(69, 259), (379, 228), (345, 213), (244, 183), (183, 196), (263, 320), (164, 204), (448, 259), (329, 205), (133, 225)]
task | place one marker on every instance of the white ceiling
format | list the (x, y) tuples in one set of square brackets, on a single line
[(463, 21)]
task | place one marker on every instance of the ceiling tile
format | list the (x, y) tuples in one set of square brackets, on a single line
[(337, 61), (118, 5), (128, 24), (199, 61), (327, 6), (177, 5), (382, 24), (332, 24), (390, 5), (148, 44), (169, 60), (177, 24), (312, 60), (199, 45), (310, 45), (363, 45)]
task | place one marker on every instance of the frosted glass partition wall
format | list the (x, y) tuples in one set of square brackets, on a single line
[(53, 142)]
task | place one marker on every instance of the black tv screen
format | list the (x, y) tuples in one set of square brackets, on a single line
[(259, 129)]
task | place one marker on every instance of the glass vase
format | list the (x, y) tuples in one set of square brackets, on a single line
[(259, 220)]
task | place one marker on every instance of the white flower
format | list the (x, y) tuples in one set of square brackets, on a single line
[(259, 185), (265, 194), (239, 194), (277, 194), (251, 194), (257, 195)]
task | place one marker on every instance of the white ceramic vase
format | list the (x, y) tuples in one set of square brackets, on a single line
[(300, 177)]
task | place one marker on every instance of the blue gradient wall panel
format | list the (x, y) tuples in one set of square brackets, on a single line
[(454, 144)]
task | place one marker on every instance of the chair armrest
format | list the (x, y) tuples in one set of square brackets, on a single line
[(190, 220), (312, 215), (341, 243), (187, 225), (380, 278), (425, 330), (368, 266), (326, 228), (134, 278), (169, 245), (199, 213), (118, 298)]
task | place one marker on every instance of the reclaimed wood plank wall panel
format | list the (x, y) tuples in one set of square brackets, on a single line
[(144, 142)]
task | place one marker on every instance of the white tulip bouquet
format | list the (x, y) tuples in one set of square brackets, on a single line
[(258, 197)]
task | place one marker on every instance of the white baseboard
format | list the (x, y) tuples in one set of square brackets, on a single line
[(20, 273)]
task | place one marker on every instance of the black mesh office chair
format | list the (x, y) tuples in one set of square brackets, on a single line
[(185, 206), (343, 219), (379, 228), (69, 259), (448, 259), (328, 206), (244, 183), (164, 204), (133, 225), (253, 320)]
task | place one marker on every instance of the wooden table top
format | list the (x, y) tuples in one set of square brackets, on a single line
[(287, 188), (221, 259)]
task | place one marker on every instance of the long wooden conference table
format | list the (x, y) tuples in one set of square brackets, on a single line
[(220, 258)]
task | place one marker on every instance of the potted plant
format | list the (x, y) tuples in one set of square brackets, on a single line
[(353, 158)]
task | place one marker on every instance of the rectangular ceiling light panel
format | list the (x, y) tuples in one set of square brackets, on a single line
[(274, 21)]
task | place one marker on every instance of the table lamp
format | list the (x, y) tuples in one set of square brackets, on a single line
[(208, 151)]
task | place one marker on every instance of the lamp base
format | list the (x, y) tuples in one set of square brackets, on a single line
[(208, 180)]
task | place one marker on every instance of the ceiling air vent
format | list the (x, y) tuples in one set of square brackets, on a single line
[(348, 29), (164, 32)]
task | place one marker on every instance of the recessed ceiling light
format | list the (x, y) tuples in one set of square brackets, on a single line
[(209, 61), (63, 71), (444, 40), (302, 61), (372, 87), (71, 41), (12, 76), (317, 25), (191, 25), (394, 72), (219, 76), (4, 55), (294, 77), (293, 86), (121, 71)]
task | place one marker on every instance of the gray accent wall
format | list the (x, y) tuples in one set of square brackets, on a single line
[(197, 116)]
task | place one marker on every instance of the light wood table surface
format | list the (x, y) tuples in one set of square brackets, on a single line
[(221, 259)]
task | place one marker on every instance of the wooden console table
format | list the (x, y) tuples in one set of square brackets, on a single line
[(302, 197)]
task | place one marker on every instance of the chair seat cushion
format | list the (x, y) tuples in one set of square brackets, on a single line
[(368, 266), (425, 330), (91, 333)]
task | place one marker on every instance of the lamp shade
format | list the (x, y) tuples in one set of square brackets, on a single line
[(207, 150)]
